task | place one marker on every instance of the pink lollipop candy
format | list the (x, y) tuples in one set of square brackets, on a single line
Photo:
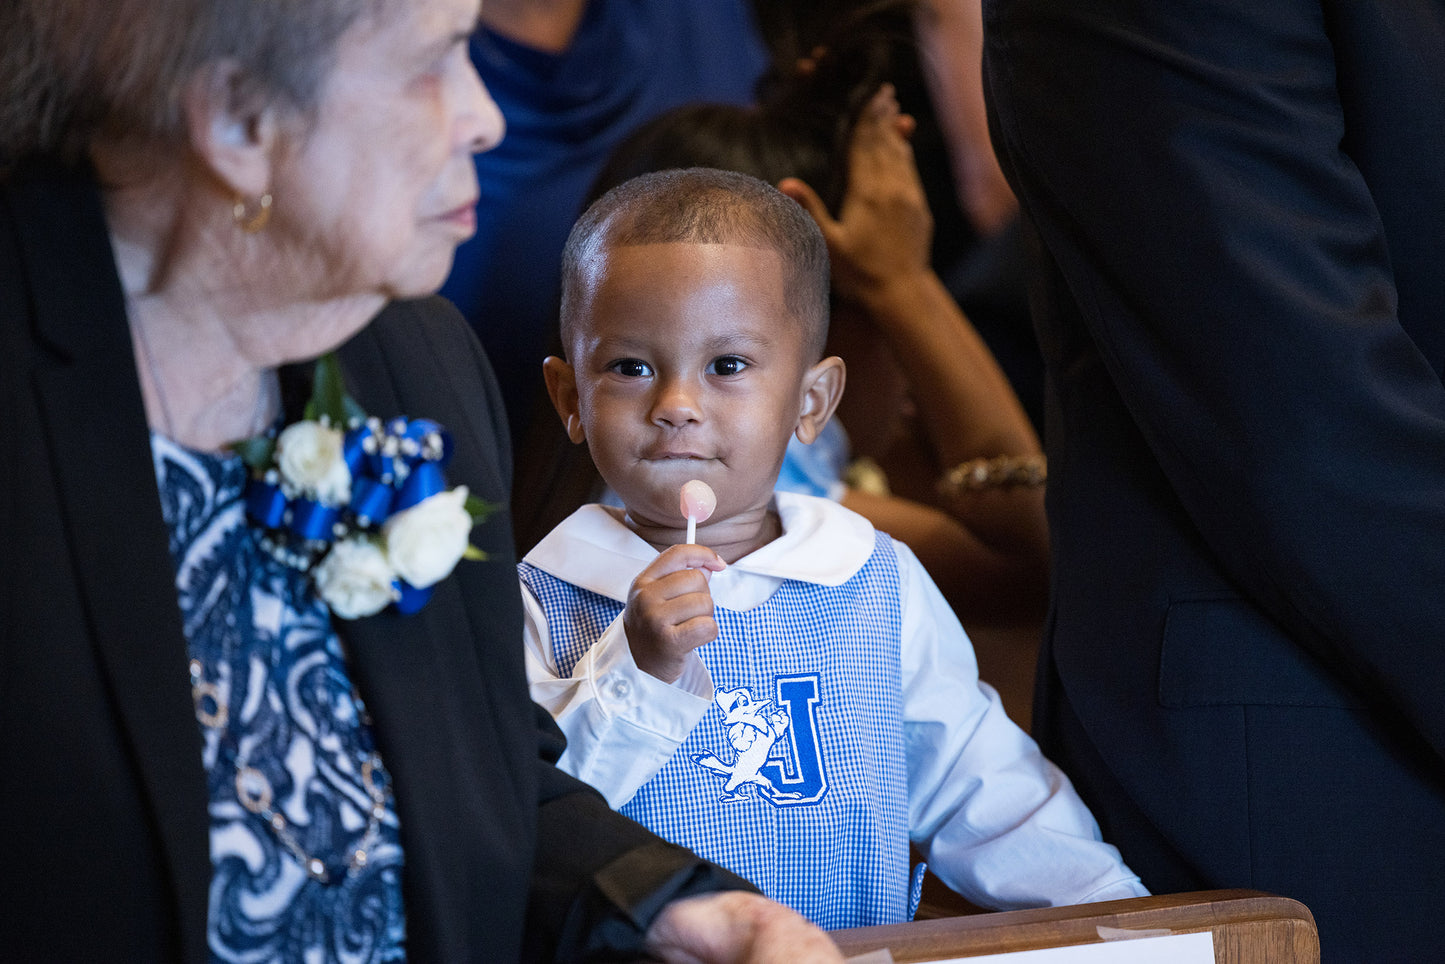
[(698, 500)]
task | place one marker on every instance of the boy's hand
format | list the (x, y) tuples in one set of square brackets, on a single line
[(669, 610)]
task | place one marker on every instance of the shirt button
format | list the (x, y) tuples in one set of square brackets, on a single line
[(619, 687)]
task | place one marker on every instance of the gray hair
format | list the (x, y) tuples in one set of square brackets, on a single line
[(701, 205), (71, 72)]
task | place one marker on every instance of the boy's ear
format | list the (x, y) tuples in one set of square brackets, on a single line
[(562, 389), (232, 128), (822, 389)]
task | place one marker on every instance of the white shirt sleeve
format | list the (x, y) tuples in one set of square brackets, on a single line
[(995, 820), (621, 724)]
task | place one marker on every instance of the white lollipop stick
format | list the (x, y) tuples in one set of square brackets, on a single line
[(698, 502)]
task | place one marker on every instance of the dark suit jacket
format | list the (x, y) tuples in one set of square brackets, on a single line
[(102, 792), (1242, 306)]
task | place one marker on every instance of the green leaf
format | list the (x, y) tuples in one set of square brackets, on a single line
[(256, 452), (473, 553), (479, 509), (328, 394), (354, 411)]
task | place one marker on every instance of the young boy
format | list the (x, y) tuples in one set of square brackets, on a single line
[(791, 697)]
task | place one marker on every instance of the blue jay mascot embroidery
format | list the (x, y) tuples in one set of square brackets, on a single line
[(752, 730)]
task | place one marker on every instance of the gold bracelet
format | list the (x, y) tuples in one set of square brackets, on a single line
[(999, 472)]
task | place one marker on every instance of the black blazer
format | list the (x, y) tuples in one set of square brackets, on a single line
[(102, 793), (1241, 209)]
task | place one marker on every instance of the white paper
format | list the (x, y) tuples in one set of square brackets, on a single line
[(1174, 949), (880, 956)]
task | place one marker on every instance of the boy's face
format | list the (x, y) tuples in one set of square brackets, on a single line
[(688, 365)]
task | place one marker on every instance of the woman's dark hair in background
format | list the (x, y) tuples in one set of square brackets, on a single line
[(807, 106), (987, 274)]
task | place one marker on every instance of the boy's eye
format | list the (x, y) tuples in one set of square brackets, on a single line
[(631, 368), (727, 365)]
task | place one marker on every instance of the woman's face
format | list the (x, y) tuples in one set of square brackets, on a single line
[(375, 188)]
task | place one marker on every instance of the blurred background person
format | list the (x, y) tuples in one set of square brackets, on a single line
[(1242, 216), (935, 64)]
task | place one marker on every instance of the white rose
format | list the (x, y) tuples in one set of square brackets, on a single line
[(309, 456), (354, 579), (424, 543)]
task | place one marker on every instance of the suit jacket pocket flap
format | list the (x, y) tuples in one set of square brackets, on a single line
[(1224, 652)]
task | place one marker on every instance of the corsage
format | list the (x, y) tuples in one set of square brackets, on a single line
[(360, 503)]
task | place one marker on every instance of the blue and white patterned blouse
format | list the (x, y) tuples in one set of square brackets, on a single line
[(274, 700)]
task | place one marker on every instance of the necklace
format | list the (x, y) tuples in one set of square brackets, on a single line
[(254, 791), (266, 389)]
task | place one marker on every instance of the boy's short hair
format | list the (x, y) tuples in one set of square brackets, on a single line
[(702, 205)]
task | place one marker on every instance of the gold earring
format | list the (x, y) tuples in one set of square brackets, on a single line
[(251, 223)]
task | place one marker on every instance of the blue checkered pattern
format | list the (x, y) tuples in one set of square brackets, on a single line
[(839, 852)]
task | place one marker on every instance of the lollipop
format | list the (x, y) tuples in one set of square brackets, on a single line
[(698, 501)]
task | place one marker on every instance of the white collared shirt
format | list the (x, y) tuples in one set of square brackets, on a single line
[(994, 819)]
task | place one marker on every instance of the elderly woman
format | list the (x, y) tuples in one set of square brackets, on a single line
[(200, 758)]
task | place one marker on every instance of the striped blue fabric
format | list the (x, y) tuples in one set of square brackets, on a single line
[(795, 778)]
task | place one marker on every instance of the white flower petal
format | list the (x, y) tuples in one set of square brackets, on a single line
[(311, 461), (424, 543), (354, 578)]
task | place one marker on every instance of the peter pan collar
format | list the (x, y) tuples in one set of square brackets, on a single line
[(822, 543)]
